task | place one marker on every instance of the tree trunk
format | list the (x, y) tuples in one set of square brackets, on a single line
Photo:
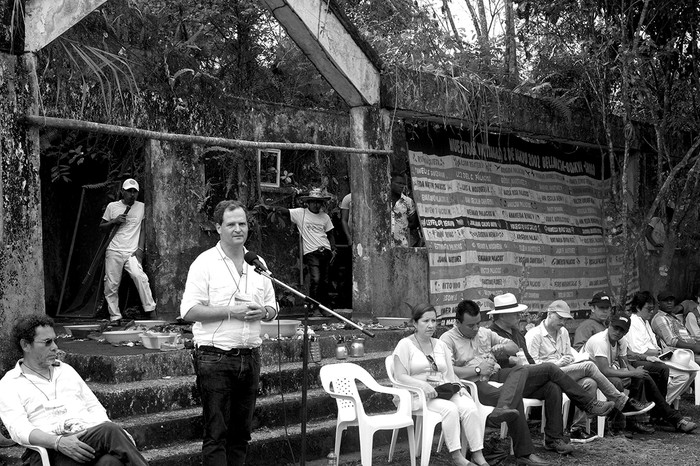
[(450, 19), (511, 64)]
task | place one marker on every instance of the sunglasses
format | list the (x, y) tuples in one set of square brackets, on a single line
[(47, 342), (433, 364)]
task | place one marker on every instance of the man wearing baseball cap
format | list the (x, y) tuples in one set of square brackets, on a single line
[(609, 351), (550, 342), (668, 327), (596, 322), (124, 220)]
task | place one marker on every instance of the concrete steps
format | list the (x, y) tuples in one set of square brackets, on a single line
[(154, 396)]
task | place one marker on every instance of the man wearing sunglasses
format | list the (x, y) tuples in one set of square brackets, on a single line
[(46, 403)]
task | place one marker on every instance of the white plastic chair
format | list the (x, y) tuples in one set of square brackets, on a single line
[(339, 381), (43, 453), (426, 420), (529, 403), (696, 392)]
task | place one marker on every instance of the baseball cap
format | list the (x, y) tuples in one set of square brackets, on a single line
[(600, 299), (561, 308), (665, 295), (130, 184), (622, 322)]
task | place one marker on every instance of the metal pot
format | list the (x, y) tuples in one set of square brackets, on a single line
[(357, 348)]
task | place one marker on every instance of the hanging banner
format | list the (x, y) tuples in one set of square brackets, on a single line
[(504, 214)]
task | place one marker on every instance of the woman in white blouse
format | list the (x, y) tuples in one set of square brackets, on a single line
[(425, 362)]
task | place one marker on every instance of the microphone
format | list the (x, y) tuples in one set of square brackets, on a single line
[(252, 259)]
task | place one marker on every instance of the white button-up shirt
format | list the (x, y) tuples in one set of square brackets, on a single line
[(641, 337), (543, 348), (214, 281), (29, 402)]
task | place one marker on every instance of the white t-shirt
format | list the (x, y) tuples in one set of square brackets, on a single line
[(313, 228), (599, 345), (346, 204), (127, 237)]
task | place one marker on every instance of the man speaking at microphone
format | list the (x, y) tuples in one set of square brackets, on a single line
[(227, 300)]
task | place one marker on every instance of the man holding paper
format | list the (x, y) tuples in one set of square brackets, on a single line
[(550, 342)]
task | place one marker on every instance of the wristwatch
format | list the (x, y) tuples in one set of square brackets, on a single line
[(477, 369)]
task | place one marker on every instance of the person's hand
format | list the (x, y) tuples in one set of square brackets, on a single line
[(514, 360), (487, 366), (247, 312), (638, 372), (74, 448), (653, 359), (139, 255), (120, 219), (565, 360), (429, 391), (334, 253)]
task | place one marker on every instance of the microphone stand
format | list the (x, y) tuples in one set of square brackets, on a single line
[(305, 353)]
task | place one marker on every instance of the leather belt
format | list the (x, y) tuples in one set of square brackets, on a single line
[(231, 352)]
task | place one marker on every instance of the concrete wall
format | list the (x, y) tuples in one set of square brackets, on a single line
[(386, 277), (21, 265), (175, 174)]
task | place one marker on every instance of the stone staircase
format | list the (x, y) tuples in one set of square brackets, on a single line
[(153, 395)]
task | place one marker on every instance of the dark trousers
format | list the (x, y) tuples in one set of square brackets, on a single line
[(112, 448), (658, 371), (616, 419), (228, 386), (318, 265), (542, 382), (647, 388)]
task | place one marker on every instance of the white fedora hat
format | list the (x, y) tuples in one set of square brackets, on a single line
[(506, 304), (683, 360)]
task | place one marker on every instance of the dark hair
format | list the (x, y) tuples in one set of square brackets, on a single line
[(25, 328), (640, 299), (467, 307), (419, 310), (225, 206)]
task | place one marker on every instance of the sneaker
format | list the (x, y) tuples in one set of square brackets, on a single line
[(599, 408), (635, 407), (685, 426), (581, 436), (559, 446)]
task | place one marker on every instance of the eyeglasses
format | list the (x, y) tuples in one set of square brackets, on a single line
[(433, 364), (47, 342)]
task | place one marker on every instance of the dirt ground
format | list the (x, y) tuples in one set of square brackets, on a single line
[(665, 447)]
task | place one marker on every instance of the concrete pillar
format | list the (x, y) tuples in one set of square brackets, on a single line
[(21, 263), (384, 277), (174, 237)]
